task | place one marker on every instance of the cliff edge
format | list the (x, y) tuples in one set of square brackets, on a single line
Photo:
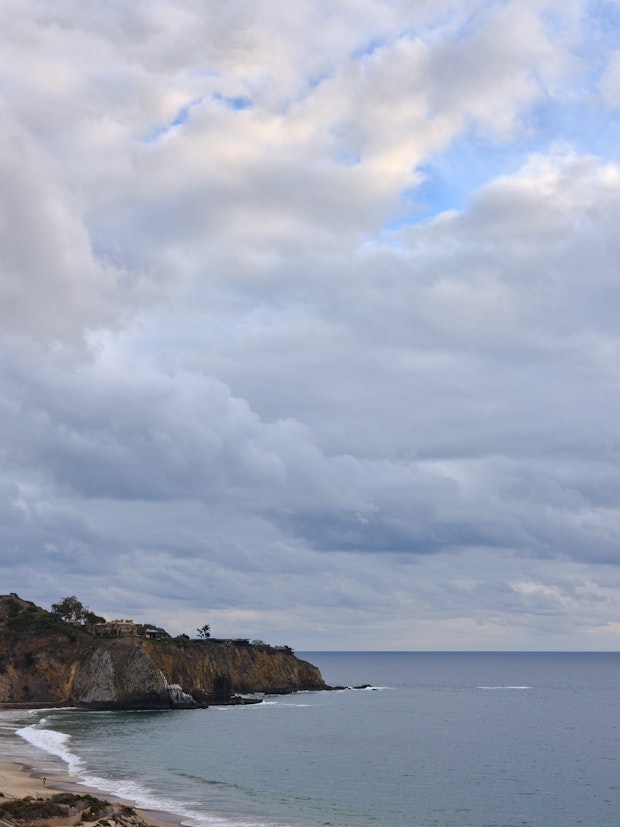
[(44, 661)]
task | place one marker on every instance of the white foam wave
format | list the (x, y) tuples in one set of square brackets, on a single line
[(57, 743), (504, 687), (257, 707), (144, 799)]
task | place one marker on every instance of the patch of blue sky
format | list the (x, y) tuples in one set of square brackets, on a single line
[(603, 21), (587, 126), (179, 119), (370, 47), (236, 103), (451, 18), (183, 114), (600, 36), (449, 178), (314, 81)]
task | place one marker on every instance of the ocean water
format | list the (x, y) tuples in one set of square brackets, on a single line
[(440, 740)]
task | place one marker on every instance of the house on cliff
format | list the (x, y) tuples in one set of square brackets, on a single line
[(116, 628), (155, 634)]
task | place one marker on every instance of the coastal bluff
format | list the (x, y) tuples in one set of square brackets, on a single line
[(48, 662)]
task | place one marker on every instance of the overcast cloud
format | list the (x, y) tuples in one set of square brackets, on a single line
[(310, 318)]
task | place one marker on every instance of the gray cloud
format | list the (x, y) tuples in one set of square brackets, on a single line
[(240, 373)]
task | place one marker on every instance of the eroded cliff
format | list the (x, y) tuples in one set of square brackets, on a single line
[(45, 661)]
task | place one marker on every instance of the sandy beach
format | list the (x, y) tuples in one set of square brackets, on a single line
[(19, 781)]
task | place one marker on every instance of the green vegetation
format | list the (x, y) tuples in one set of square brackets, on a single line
[(28, 810), (204, 632), (69, 610), (72, 610), (70, 615), (26, 617), (267, 647)]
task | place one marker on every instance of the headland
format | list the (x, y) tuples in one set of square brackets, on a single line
[(49, 662)]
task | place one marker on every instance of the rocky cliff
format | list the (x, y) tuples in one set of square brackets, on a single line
[(48, 662)]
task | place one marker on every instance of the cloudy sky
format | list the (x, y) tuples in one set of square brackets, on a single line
[(310, 317)]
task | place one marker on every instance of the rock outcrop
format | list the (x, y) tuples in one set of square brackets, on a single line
[(67, 810), (47, 662)]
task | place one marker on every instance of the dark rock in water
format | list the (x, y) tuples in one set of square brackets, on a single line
[(343, 688), (47, 662), (237, 700)]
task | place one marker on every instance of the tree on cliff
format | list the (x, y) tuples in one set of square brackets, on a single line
[(91, 618), (69, 609), (204, 632)]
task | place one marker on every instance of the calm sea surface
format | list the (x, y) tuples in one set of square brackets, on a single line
[(442, 740)]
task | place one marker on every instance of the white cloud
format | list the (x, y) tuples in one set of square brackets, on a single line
[(226, 349), (50, 284)]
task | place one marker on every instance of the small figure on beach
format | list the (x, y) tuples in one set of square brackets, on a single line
[(44, 779)]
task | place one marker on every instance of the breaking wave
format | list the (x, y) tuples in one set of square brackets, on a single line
[(504, 687), (58, 744)]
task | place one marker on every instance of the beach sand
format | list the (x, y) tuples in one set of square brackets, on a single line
[(19, 781)]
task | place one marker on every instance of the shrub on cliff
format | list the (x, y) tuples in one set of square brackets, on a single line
[(28, 810)]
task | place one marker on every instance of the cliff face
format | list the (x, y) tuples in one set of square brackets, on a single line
[(43, 661)]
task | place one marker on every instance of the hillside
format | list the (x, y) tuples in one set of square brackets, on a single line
[(44, 661)]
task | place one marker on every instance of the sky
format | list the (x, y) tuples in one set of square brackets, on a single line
[(310, 318)]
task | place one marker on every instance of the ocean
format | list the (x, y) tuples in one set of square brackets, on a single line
[(439, 740)]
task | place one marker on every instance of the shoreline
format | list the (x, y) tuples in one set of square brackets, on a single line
[(20, 780)]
